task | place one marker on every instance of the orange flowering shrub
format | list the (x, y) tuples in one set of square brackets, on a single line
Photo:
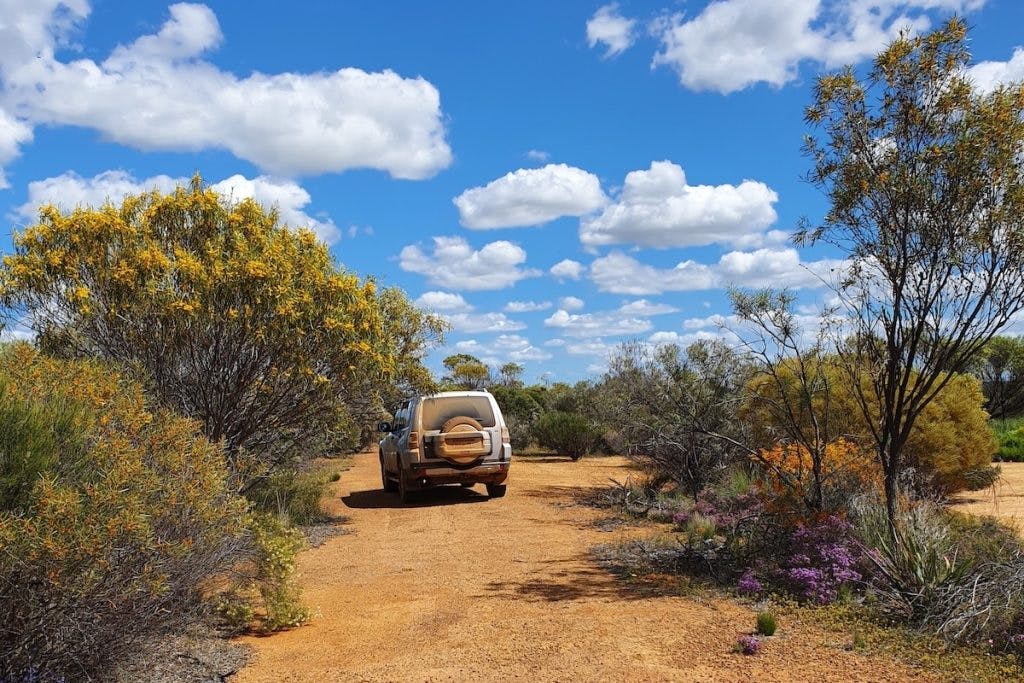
[(845, 467), (115, 534)]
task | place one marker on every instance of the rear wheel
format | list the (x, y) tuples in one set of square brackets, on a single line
[(496, 490), (386, 481)]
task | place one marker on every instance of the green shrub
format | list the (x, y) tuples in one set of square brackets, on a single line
[(1010, 436), (766, 624), (266, 595), (116, 532), (566, 433), (292, 494), (35, 438)]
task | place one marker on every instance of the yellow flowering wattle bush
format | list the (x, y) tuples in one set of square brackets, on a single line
[(245, 325), (116, 519)]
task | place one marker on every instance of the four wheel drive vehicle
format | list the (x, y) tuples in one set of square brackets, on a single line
[(455, 437)]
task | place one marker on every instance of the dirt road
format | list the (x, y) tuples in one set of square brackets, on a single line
[(459, 587)]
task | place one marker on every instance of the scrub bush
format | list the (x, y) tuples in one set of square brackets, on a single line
[(114, 531), (566, 433)]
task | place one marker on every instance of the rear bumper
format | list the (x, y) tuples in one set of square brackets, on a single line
[(424, 475)]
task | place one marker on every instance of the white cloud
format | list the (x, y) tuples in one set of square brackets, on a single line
[(623, 274), (608, 324), (530, 196), (594, 347), (70, 190), (159, 93), (611, 29), (658, 208), (570, 303), (454, 264), (538, 155), (13, 134), (716, 320), (286, 195), (567, 269), (504, 348), (645, 308), (733, 44), (472, 323), (443, 302), (987, 76), (527, 306), (681, 340), (555, 342)]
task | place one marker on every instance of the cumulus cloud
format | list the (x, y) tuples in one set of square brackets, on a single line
[(645, 308), (605, 324), (987, 76), (472, 323), (570, 303), (443, 302), (289, 198), (733, 44), (70, 190), (623, 274), (594, 347), (463, 317), (505, 348), (681, 340), (530, 196), (527, 306), (453, 264), (612, 30), (13, 134), (658, 208), (160, 93), (567, 269)]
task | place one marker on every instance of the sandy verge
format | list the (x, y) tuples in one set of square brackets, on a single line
[(1004, 501), (458, 587)]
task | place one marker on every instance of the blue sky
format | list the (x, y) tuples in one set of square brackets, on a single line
[(553, 177)]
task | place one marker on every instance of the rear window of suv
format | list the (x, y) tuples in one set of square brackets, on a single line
[(436, 411)]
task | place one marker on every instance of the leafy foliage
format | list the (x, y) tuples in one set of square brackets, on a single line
[(766, 624), (566, 433), (247, 326), (117, 532), (926, 196), (674, 413), (1001, 371)]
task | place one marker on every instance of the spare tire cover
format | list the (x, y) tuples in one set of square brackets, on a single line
[(459, 449)]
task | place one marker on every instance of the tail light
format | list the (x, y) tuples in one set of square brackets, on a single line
[(414, 439), (505, 438)]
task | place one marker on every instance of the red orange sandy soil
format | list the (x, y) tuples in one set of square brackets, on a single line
[(458, 587)]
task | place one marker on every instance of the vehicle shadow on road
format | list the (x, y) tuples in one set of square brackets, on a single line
[(375, 499)]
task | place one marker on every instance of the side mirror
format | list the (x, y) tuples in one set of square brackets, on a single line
[(384, 427)]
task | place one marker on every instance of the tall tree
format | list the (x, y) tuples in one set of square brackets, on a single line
[(927, 200), (1001, 371), (511, 375), (467, 372)]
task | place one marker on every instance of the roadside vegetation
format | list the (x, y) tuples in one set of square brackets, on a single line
[(194, 361), (163, 439), (813, 465)]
